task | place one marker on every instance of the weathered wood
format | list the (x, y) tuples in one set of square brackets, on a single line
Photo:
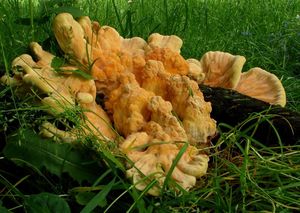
[(229, 107), (233, 108)]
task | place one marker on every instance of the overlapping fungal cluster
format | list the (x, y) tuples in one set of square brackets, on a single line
[(225, 70), (151, 95), (63, 91), (152, 102)]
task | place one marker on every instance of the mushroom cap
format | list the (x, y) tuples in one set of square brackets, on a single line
[(44, 58), (132, 55), (63, 91), (171, 42), (104, 37), (34, 74), (173, 62), (262, 85), (94, 48), (9, 81), (191, 108), (70, 36), (187, 100), (134, 46), (195, 70), (167, 50), (222, 69), (153, 160), (128, 105)]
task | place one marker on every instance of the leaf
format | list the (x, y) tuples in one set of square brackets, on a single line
[(46, 202), (81, 74), (58, 63), (55, 157), (112, 158), (99, 199), (2, 208), (84, 198)]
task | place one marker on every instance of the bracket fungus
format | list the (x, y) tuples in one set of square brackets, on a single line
[(262, 85), (224, 70), (63, 91), (125, 76), (151, 94), (153, 158)]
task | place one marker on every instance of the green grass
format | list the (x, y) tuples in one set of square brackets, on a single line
[(244, 175), (266, 33)]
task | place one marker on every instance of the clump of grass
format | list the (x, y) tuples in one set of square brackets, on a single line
[(244, 174), (254, 174)]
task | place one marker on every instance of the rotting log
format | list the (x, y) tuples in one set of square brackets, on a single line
[(233, 108)]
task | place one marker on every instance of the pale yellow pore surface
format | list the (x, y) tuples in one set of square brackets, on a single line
[(262, 85), (222, 69)]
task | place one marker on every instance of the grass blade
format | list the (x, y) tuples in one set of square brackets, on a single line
[(174, 164), (100, 197)]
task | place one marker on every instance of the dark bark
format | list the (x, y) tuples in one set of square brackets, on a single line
[(233, 108)]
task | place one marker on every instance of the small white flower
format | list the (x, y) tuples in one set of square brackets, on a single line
[(298, 16), (129, 1)]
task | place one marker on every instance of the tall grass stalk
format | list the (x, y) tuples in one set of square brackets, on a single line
[(31, 9)]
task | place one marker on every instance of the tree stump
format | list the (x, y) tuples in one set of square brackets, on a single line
[(274, 122)]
